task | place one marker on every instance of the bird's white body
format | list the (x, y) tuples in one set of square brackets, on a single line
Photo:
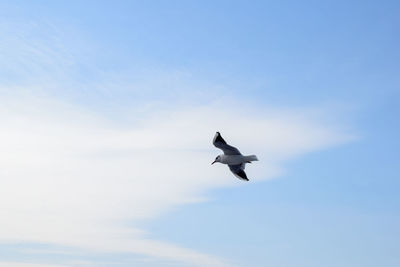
[(236, 159)]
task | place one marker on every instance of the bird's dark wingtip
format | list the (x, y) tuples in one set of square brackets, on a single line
[(219, 138), (242, 175)]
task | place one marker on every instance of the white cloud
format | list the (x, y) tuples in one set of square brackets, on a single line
[(74, 177), (71, 177)]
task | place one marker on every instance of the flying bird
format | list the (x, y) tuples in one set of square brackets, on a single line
[(232, 157)]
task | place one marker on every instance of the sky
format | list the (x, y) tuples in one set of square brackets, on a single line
[(108, 110)]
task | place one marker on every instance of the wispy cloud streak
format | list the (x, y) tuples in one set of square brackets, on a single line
[(71, 176), (78, 178)]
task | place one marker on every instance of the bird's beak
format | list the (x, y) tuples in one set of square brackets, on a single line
[(213, 162)]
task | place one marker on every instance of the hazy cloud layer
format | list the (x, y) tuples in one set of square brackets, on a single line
[(72, 176), (23, 264)]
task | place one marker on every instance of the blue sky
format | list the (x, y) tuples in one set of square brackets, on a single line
[(108, 110)]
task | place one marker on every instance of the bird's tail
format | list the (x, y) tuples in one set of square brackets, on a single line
[(252, 158)]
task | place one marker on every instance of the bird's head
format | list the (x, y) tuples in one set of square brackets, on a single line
[(217, 159)]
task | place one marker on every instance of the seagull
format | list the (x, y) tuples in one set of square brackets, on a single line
[(232, 157)]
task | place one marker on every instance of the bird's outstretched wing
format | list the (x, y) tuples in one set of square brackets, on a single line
[(238, 171), (220, 143)]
